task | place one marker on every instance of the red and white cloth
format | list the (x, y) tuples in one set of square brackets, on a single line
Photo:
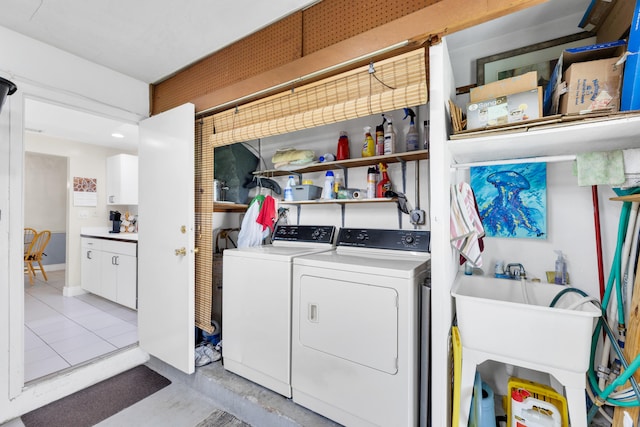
[(465, 224)]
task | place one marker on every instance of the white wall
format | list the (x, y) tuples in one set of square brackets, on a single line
[(570, 208), (46, 73), (88, 161), (325, 140)]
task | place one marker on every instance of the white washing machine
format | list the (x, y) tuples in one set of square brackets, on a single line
[(356, 355), (256, 304)]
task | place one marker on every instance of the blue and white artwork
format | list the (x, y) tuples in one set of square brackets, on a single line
[(512, 199)]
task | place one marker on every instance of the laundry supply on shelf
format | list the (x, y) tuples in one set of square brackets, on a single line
[(327, 190), (389, 138), (412, 137), (343, 147), (385, 183), (369, 145)]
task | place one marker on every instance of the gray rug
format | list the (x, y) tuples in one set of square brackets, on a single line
[(220, 418), (98, 402)]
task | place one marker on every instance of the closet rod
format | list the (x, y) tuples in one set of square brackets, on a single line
[(544, 159)]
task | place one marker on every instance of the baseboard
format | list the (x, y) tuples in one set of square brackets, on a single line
[(54, 267), (72, 291)]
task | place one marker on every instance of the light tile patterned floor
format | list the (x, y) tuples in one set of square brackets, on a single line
[(61, 332)]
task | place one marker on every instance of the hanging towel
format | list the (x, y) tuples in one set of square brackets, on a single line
[(631, 168), (465, 224), (600, 168), (267, 215)]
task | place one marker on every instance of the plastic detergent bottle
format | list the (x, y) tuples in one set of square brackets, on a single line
[(561, 270), (412, 137), (527, 411), (371, 182), (343, 147), (369, 145), (385, 184), (327, 190), (288, 189), (328, 157), (389, 138), (380, 137)]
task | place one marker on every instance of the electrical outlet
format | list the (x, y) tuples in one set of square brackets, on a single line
[(416, 217)]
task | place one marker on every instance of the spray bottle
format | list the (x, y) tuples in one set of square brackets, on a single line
[(369, 146), (389, 138), (561, 270), (412, 134), (380, 137), (372, 180), (385, 184)]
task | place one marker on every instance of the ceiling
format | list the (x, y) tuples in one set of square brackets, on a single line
[(150, 40)]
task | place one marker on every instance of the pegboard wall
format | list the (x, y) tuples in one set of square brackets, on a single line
[(291, 38)]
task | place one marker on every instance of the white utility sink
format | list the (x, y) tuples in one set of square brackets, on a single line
[(494, 318)]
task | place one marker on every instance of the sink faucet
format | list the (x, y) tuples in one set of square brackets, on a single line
[(516, 271)]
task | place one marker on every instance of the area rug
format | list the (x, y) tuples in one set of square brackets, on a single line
[(220, 418), (99, 401)]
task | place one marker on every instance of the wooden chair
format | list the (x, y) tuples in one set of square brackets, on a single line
[(34, 255), (29, 235)]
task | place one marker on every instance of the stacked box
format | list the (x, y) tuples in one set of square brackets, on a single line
[(511, 108), (586, 54)]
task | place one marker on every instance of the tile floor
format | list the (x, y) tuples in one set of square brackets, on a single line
[(61, 332)]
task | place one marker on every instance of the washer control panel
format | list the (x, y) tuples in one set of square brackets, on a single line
[(401, 240), (304, 233)]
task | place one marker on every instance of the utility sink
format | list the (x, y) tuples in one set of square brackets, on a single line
[(494, 318)]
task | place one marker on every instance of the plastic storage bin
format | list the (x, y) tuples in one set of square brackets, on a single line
[(306, 192)]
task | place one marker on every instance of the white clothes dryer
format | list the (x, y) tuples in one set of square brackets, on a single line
[(357, 327), (256, 304)]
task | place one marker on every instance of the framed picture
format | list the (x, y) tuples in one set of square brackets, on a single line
[(512, 199), (540, 57)]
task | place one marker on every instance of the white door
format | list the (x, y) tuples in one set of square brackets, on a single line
[(166, 267)]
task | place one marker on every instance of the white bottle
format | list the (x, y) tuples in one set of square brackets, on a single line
[(327, 190), (288, 189), (389, 139)]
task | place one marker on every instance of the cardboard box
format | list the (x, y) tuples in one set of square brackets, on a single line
[(516, 84), (505, 109), (596, 14), (592, 85), (557, 86), (617, 22)]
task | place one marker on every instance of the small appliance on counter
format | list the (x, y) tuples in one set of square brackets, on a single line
[(115, 217)]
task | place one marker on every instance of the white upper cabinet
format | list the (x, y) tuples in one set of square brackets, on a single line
[(122, 180)]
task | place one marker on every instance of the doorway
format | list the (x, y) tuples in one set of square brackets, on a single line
[(63, 326)]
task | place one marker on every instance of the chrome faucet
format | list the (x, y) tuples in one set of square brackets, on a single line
[(516, 271)]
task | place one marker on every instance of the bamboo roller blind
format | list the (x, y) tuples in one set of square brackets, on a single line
[(204, 228), (396, 83)]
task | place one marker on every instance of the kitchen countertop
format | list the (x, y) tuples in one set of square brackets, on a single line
[(103, 233)]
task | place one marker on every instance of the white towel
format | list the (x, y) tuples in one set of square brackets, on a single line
[(631, 168), (465, 224)]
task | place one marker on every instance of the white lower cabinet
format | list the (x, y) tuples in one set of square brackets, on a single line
[(109, 269)]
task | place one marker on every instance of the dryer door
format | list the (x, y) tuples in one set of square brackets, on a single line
[(350, 320)]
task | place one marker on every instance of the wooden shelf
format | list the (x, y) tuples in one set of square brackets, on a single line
[(627, 198), (339, 201), (350, 163), (229, 207)]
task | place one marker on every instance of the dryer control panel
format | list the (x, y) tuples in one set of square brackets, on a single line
[(304, 233), (401, 240)]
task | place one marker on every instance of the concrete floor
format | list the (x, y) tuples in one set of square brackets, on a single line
[(190, 400)]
